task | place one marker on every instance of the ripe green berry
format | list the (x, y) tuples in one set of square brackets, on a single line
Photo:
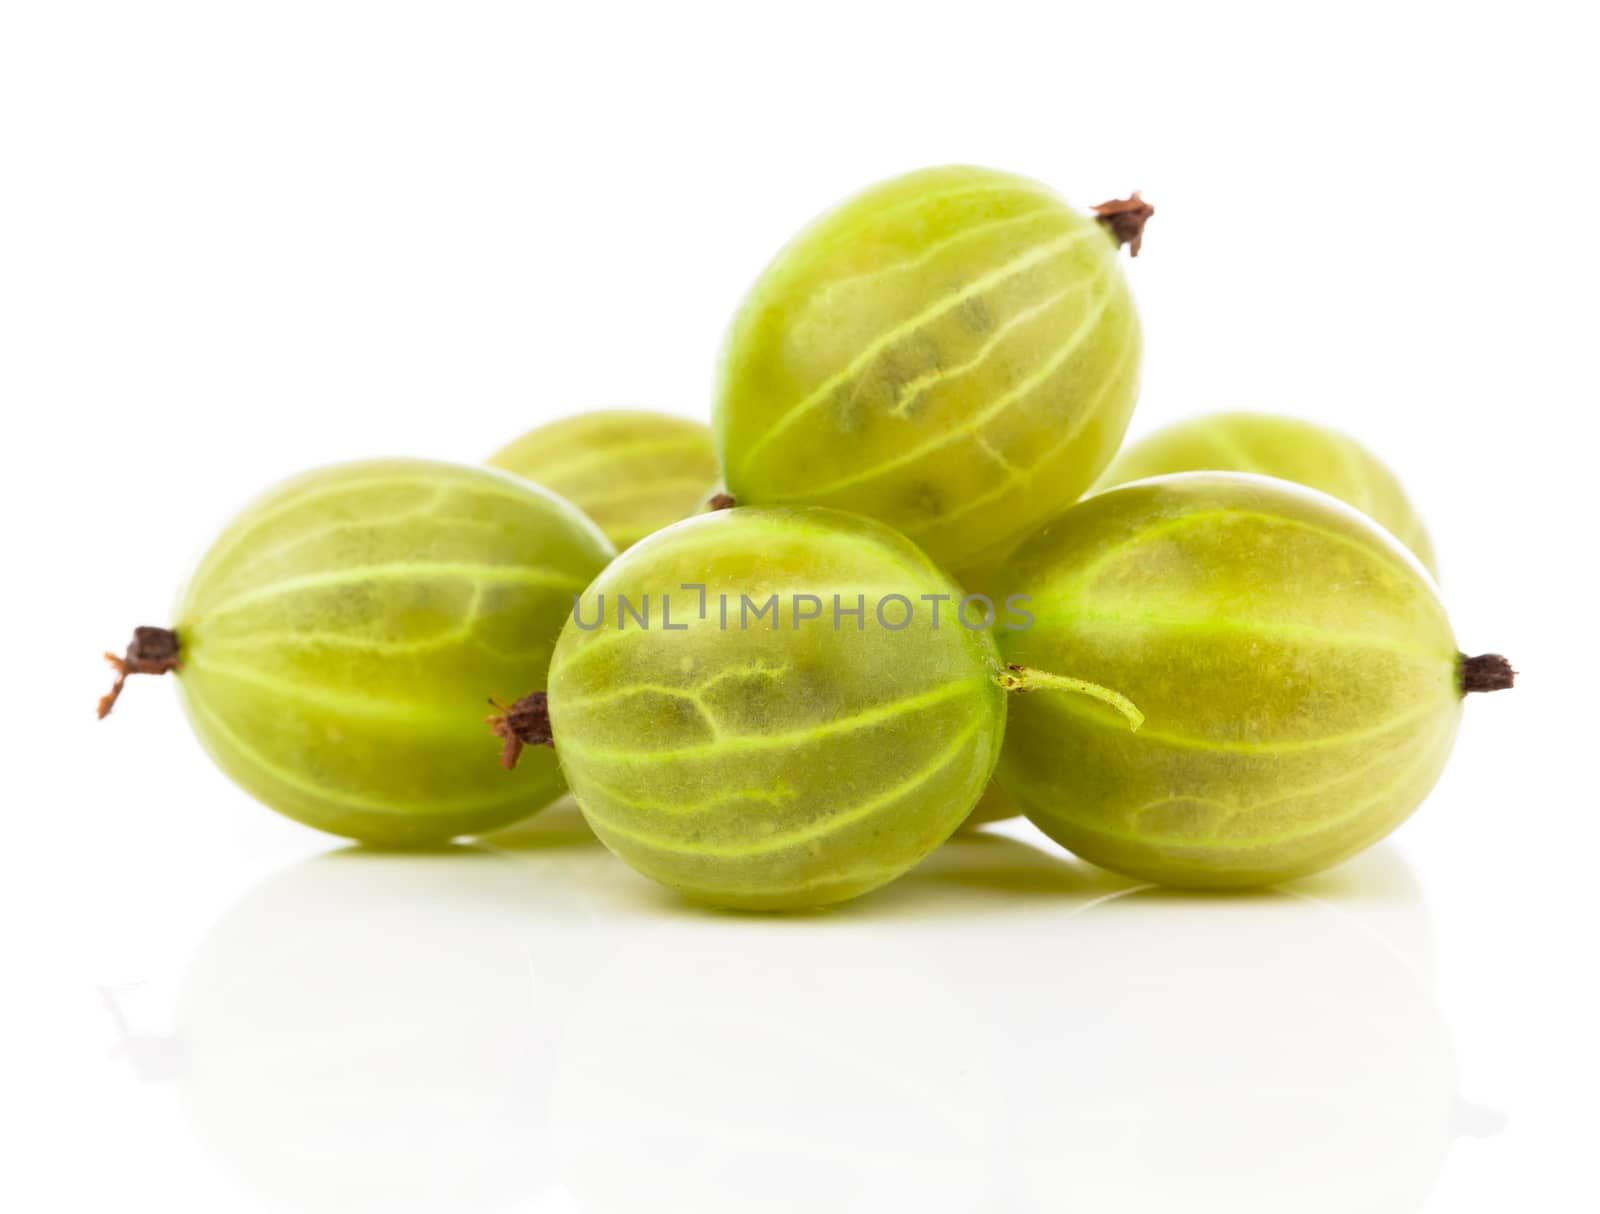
[(631, 471), (1299, 678), (1284, 447), (335, 645), (953, 352), (775, 760)]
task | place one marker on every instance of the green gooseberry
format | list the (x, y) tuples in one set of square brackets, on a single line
[(1288, 449), (797, 718), (1298, 674), (953, 352), (337, 641), (630, 470)]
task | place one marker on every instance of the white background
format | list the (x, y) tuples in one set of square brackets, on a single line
[(237, 240)]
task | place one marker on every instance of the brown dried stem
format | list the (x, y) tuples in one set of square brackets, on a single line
[(525, 723), (1126, 218), (1486, 672), (152, 651)]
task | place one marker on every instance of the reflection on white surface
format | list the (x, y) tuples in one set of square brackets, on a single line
[(534, 1028), (722, 1065), (1246, 1054), (372, 1031)]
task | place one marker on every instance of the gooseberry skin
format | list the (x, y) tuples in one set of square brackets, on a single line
[(772, 768), (341, 635), (630, 470), (1287, 448), (953, 352), (1298, 675)]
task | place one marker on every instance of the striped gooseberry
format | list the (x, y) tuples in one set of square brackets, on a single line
[(747, 745), (1284, 447), (953, 352), (335, 644), (630, 470), (1299, 677)]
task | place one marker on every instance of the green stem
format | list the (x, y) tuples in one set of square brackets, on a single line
[(1024, 678)]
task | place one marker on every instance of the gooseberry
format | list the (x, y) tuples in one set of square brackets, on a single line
[(953, 352), (757, 708), (1286, 448), (1298, 674), (336, 642), (630, 470)]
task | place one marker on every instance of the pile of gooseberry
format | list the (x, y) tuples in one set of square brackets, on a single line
[(904, 582)]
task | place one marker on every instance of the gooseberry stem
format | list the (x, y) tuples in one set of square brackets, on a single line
[(1486, 672), (720, 501), (1025, 679), (525, 723), (152, 651), (1125, 218)]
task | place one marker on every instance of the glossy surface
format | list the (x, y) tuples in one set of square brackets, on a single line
[(954, 352), (1297, 672), (761, 766), (1289, 449), (255, 1045), (630, 470), (342, 635)]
